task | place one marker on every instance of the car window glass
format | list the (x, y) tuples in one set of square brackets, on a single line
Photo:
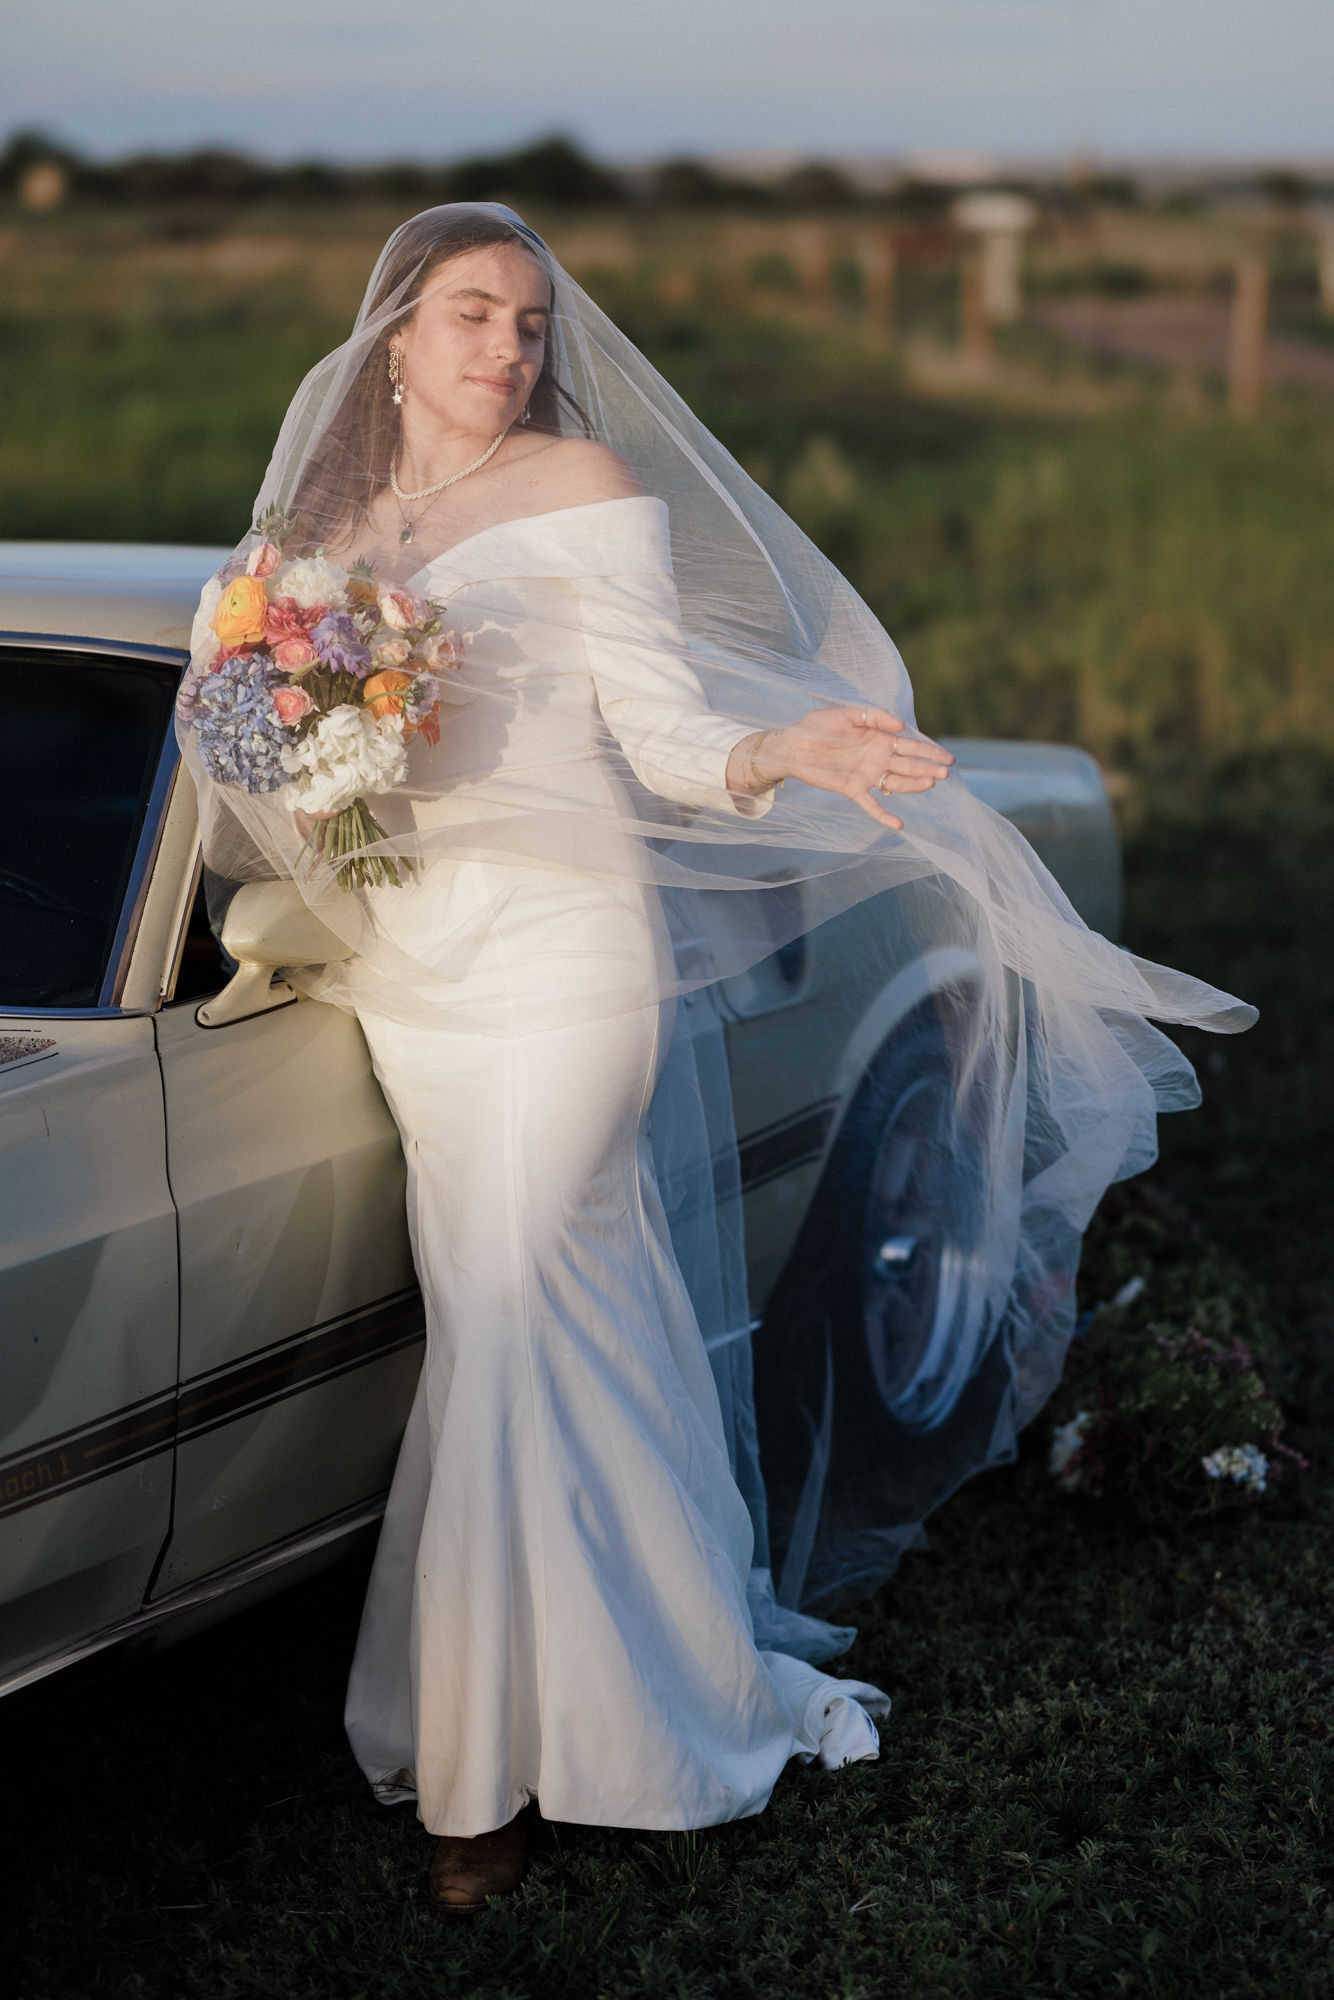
[(80, 739)]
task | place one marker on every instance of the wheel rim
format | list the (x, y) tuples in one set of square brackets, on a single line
[(924, 1309)]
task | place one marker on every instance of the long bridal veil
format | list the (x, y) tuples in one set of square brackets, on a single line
[(1028, 1062)]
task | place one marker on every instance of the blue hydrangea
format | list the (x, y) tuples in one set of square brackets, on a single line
[(239, 734)]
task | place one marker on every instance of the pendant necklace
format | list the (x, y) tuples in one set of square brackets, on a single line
[(429, 492)]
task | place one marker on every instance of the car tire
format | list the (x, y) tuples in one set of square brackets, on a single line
[(878, 1335)]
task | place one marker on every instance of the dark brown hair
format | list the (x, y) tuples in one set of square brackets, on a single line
[(351, 464)]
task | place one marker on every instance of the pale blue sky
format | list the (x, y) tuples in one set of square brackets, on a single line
[(640, 78)]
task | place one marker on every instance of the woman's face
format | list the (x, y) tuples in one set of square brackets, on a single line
[(474, 346)]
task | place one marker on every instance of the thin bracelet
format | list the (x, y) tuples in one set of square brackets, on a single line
[(772, 784)]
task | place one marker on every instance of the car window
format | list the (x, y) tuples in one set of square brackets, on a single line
[(80, 739)]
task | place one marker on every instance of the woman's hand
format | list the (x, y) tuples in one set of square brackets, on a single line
[(855, 751)]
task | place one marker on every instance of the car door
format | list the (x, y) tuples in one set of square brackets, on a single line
[(301, 1324), (87, 1227)]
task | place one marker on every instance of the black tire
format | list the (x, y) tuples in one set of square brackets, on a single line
[(877, 1343)]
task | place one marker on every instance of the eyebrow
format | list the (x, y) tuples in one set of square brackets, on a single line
[(475, 292)]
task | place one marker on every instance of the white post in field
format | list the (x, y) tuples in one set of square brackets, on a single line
[(1000, 222)]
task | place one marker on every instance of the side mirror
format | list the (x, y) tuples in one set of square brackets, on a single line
[(267, 925)]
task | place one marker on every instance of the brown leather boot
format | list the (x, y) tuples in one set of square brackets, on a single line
[(465, 1872)]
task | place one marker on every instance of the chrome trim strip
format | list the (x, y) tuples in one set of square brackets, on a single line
[(75, 1013), (208, 1591), (141, 869), (125, 649)]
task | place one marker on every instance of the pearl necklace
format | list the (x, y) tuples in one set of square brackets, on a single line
[(429, 492)]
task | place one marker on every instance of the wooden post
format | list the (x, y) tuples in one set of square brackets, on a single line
[(811, 251), (975, 340), (877, 256), (1246, 350), (1324, 250)]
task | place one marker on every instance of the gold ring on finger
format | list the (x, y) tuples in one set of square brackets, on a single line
[(883, 786)]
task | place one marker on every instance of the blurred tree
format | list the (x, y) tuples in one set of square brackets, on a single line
[(1284, 188), (1113, 190), (27, 150), (815, 184), (553, 170), (211, 174), (310, 180), (690, 183)]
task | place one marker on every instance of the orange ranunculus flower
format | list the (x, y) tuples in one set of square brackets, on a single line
[(242, 610), (362, 594), (383, 693)]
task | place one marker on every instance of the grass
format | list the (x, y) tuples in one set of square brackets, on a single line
[(1109, 1768), (1108, 1771)]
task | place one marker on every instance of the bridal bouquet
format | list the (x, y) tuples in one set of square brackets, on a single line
[(314, 678)]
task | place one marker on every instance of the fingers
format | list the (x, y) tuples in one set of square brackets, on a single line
[(869, 803), (920, 747), (879, 718), (893, 782)]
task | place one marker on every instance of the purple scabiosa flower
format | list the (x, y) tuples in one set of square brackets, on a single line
[(339, 644)]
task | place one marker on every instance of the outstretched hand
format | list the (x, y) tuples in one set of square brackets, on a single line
[(858, 752)]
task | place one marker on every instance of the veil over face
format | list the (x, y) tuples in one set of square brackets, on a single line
[(556, 693)]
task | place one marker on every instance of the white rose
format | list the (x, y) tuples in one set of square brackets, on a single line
[(391, 653), (347, 754), (311, 581)]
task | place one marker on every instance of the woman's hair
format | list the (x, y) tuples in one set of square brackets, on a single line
[(351, 465)]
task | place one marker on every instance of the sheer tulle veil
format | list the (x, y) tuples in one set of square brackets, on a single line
[(1035, 1030)]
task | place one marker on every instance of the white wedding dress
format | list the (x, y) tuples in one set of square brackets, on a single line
[(558, 1607)]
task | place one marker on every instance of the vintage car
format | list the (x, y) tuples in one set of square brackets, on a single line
[(209, 1326)]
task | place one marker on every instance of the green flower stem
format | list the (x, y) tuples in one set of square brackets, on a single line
[(339, 842)]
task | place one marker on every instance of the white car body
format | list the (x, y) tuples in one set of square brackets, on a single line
[(209, 1323)]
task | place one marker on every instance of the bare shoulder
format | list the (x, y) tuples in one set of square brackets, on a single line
[(577, 471)]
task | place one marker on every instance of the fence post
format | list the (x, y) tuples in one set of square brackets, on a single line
[(1324, 250), (975, 341), (811, 251), (877, 255), (1246, 347)]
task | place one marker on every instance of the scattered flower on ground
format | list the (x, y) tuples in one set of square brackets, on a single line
[(1243, 1464)]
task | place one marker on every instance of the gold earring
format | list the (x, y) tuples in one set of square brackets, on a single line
[(396, 372)]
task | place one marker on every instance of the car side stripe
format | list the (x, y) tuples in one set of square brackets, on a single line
[(287, 1367), (791, 1142), (73, 1458)]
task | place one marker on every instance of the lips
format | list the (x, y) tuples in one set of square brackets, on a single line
[(499, 384)]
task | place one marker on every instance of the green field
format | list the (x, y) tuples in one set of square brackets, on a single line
[(1109, 1769)]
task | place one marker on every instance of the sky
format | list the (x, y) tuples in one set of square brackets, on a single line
[(641, 79)]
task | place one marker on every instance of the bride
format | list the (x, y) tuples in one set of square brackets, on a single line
[(569, 1602)]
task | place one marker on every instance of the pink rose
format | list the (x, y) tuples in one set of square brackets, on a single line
[(290, 704), (404, 612), (392, 653), (294, 656), (287, 620), (264, 560), (444, 651)]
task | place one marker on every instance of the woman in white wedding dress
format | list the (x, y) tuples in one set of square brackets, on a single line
[(559, 1605)]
